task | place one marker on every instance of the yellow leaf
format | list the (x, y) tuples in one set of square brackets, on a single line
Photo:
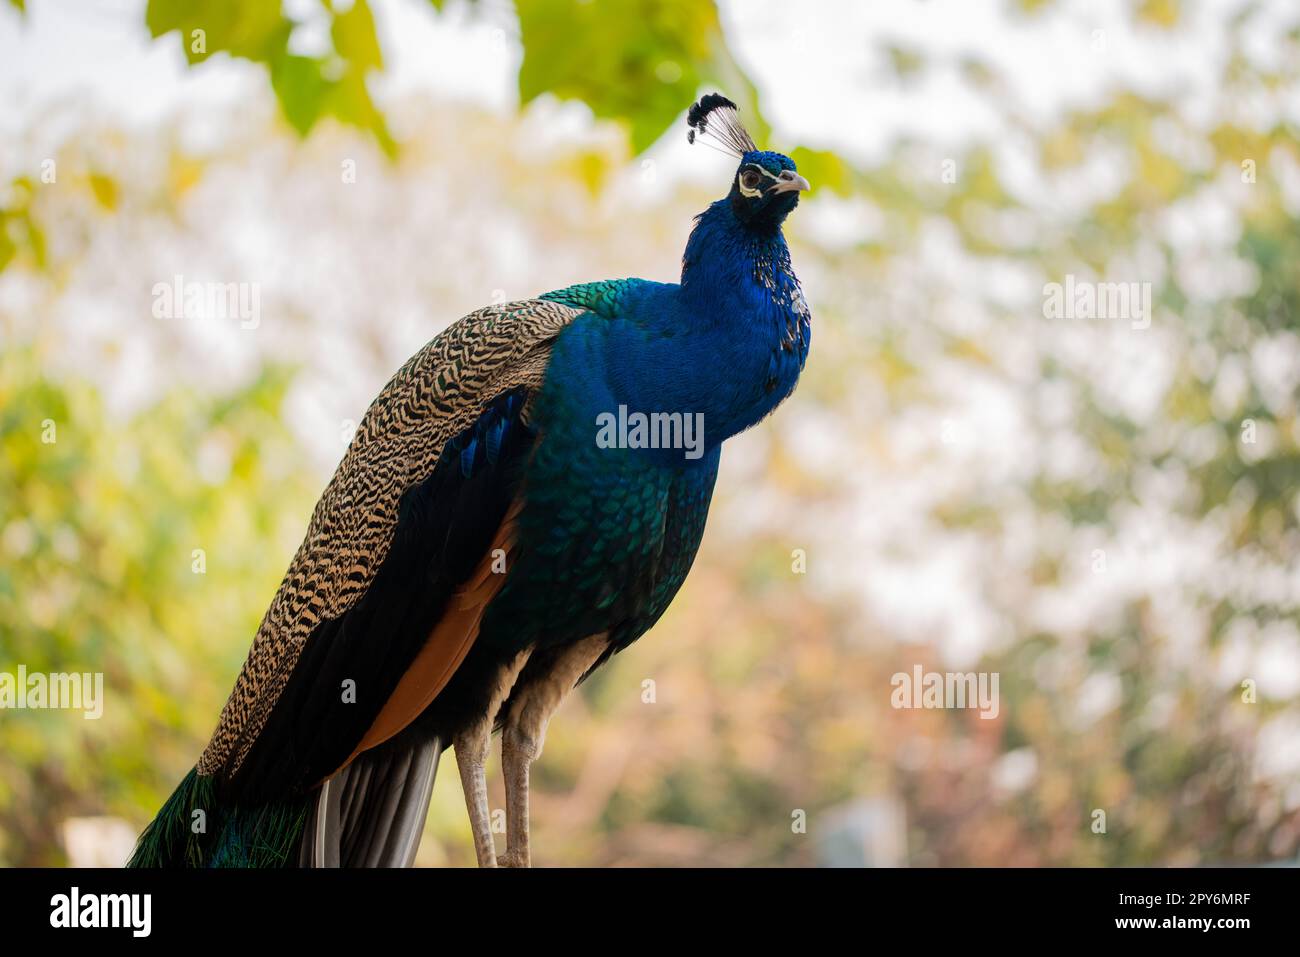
[(105, 190)]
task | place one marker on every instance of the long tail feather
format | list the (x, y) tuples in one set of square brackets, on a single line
[(194, 829), (372, 813)]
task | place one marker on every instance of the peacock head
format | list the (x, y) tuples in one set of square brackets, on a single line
[(767, 185)]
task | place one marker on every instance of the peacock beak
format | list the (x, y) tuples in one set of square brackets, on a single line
[(789, 181)]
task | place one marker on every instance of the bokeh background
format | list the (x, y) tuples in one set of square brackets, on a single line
[(1106, 517)]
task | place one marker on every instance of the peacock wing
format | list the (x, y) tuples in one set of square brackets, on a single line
[(395, 547)]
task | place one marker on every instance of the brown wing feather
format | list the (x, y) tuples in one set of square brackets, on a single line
[(447, 645), (437, 394)]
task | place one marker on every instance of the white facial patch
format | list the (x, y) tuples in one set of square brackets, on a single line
[(758, 190)]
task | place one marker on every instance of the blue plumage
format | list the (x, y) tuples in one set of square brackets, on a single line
[(608, 534)]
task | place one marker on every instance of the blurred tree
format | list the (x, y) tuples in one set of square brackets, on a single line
[(308, 87), (131, 548), (638, 62), (634, 62)]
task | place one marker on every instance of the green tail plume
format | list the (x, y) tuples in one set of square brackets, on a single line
[(264, 835)]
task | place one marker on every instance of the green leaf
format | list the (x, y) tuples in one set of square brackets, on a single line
[(349, 100), (824, 170), (307, 87), (302, 90), (7, 247), (354, 37), (642, 62), (252, 29)]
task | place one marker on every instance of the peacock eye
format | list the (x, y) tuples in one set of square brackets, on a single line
[(750, 179)]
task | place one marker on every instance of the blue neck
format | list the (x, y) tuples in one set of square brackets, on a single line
[(740, 294), (728, 343), (724, 261)]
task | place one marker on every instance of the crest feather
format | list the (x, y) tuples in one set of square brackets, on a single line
[(717, 118)]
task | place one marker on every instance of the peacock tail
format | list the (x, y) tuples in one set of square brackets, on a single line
[(195, 829)]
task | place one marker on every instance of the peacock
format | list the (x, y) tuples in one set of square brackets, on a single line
[(522, 501)]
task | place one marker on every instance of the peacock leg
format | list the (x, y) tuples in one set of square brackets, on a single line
[(524, 733), (472, 745), (471, 759), (517, 753)]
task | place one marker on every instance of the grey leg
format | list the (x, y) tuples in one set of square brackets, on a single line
[(524, 735), (471, 759), (517, 753), (471, 747)]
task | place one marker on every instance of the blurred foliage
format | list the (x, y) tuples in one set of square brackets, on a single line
[(771, 686), (18, 230), (99, 523), (634, 62), (637, 61), (308, 87)]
